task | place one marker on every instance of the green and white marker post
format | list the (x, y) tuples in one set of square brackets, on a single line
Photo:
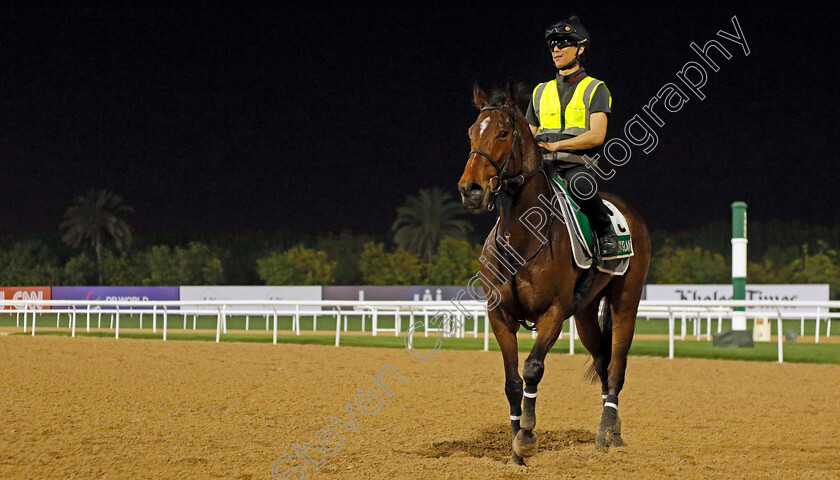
[(739, 263)]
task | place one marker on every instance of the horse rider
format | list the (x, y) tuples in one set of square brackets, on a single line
[(568, 117)]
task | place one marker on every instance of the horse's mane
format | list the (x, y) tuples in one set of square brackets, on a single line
[(498, 96)]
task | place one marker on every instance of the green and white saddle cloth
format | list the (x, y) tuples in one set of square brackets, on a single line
[(583, 239)]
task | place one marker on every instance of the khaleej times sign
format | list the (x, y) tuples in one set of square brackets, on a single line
[(789, 292), (256, 293)]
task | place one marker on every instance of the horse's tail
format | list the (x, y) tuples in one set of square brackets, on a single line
[(602, 361)]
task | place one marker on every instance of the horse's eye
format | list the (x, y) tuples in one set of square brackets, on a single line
[(504, 134)]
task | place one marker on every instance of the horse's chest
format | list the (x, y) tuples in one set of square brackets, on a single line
[(529, 295)]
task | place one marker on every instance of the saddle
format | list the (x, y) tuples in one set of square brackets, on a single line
[(582, 237)]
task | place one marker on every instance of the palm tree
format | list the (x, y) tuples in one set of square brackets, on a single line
[(95, 218), (426, 219)]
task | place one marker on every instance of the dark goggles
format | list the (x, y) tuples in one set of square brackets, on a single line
[(560, 42)]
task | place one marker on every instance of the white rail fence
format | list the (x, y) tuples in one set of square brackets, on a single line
[(27, 311)]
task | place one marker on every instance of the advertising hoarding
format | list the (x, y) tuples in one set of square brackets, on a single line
[(782, 292), (141, 294), (410, 292), (217, 292), (24, 293)]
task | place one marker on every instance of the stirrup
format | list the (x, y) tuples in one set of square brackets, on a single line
[(612, 238)]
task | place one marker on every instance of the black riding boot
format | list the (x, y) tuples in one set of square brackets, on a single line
[(598, 215)]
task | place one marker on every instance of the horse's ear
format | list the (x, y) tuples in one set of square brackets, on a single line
[(512, 93), (479, 97)]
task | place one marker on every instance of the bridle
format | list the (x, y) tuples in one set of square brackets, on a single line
[(503, 193), (505, 188)]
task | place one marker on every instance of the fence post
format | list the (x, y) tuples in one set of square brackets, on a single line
[(73, 332), (572, 335), (224, 319), (154, 319), (475, 324), (671, 333), (486, 330), (338, 325), (779, 328), (709, 325), (164, 323), (817, 327), (374, 321), (275, 326), (118, 322), (218, 324)]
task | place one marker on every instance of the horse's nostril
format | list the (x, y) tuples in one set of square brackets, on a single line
[(472, 189)]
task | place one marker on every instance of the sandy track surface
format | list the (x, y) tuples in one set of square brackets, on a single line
[(106, 408)]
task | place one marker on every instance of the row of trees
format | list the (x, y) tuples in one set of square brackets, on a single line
[(695, 265), (428, 244), (453, 263)]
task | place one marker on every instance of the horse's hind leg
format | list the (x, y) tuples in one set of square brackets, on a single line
[(623, 307), (548, 329), (598, 343)]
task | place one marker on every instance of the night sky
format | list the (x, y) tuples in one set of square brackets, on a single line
[(212, 120)]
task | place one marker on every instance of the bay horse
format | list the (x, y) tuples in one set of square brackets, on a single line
[(504, 172)]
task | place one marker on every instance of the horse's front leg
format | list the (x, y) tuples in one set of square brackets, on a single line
[(505, 333), (549, 326)]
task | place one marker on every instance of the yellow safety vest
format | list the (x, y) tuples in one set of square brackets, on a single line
[(575, 119)]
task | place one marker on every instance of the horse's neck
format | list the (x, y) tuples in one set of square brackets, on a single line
[(535, 187)]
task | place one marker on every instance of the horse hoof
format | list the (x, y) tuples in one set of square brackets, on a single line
[(525, 444), (615, 440), (516, 460), (614, 436), (602, 443)]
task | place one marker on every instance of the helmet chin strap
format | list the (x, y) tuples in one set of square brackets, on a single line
[(574, 62)]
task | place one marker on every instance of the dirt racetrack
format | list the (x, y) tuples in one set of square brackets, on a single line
[(147, 409)]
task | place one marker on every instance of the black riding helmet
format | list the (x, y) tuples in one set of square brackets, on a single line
[(566, 33)]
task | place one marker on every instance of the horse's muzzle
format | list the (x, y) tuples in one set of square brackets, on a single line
[(472, 195)]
